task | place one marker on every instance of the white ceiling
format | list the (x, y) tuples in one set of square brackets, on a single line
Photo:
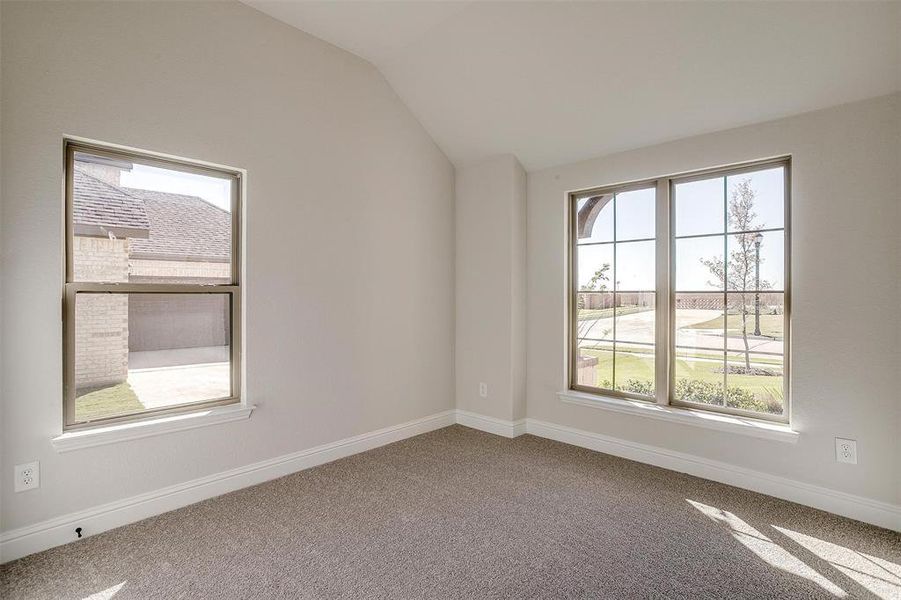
[(557, 82)]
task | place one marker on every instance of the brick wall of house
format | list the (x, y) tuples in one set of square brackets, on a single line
[(101, 332)]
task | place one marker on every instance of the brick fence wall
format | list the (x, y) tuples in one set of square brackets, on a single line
[(101, 320), (183, 271), (594, 300)]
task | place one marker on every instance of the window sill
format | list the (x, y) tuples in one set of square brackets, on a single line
[(685, 416), (111, 434)]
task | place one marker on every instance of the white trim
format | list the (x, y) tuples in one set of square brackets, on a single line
[(685, 416), (60, 530), (875, 512), (510, 429), (111, 434), (54, 532)]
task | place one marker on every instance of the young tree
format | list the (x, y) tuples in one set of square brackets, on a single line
[(597, 279), (597, 283), (738, 274)]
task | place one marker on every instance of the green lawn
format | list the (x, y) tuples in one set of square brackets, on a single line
[(684, 353), (770, 325), (632, 366), (106, 402)]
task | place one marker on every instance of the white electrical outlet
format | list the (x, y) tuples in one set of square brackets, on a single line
[(483, 390), (28, 476), (846, 451)]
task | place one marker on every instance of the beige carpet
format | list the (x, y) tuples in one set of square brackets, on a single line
[(462, 514)]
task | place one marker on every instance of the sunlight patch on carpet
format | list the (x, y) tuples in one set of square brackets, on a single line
[(765, 548)]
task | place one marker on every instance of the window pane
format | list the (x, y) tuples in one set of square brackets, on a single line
[(595, 365), (634, 368), (745, 257), (635, 317), (699, 264), (594, 218), (137, 223), (754, 382), (699, 376), (635, 214), (759, 315), (699, 207), (635, 266), (135, 352), (595, 268), (699, 321), (635, 339), (757, 200), (700, 347), (595, 316)]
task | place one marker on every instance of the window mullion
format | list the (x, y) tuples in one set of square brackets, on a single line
[(663, 304)]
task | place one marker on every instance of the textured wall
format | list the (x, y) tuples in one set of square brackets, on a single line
[(490, 287), (347, 198)]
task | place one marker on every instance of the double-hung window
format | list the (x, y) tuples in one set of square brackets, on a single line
[(151, 309), (679, 290)]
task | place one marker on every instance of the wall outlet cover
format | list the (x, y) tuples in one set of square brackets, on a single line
[(28, 476), (846, 451), (483, 390)]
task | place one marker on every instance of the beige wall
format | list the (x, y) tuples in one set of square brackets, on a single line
[(490, 287), (846, 323), (347, 198)]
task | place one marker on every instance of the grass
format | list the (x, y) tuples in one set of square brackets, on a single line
[(586, 314), (636, 366), (770, 325), (108, 401)]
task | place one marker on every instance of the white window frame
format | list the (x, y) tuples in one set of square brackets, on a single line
[(664, 353)]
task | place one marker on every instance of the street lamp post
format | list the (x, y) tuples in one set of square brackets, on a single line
[(757, 240)]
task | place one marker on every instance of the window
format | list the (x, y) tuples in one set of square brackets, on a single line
[(152, 295), (679, 290), (615, 320)]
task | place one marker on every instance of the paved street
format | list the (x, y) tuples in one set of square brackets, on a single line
[(639, 327)]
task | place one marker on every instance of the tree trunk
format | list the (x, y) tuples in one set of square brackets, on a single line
[(744, 335)]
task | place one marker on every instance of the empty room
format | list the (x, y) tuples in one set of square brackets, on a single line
[(450, 299)]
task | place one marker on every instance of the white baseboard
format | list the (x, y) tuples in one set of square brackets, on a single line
[(878, 513), (510, 429), (55, 532)]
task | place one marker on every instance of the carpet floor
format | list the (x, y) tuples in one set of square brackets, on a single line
[(458, 513)]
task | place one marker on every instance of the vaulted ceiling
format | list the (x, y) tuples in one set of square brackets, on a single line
[(557, 82)]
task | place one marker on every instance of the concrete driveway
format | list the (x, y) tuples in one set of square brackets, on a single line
[(163, 378)]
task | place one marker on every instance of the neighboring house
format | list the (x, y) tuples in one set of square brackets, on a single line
[(125, 234)]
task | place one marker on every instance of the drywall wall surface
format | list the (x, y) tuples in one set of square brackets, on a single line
[(845, 319), (490, 287), (348, 274)]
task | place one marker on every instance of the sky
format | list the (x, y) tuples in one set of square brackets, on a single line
[(699, 210), (212, 189)]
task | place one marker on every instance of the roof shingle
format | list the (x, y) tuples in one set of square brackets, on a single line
[(183, 228), (103, 205), (180, 227)]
